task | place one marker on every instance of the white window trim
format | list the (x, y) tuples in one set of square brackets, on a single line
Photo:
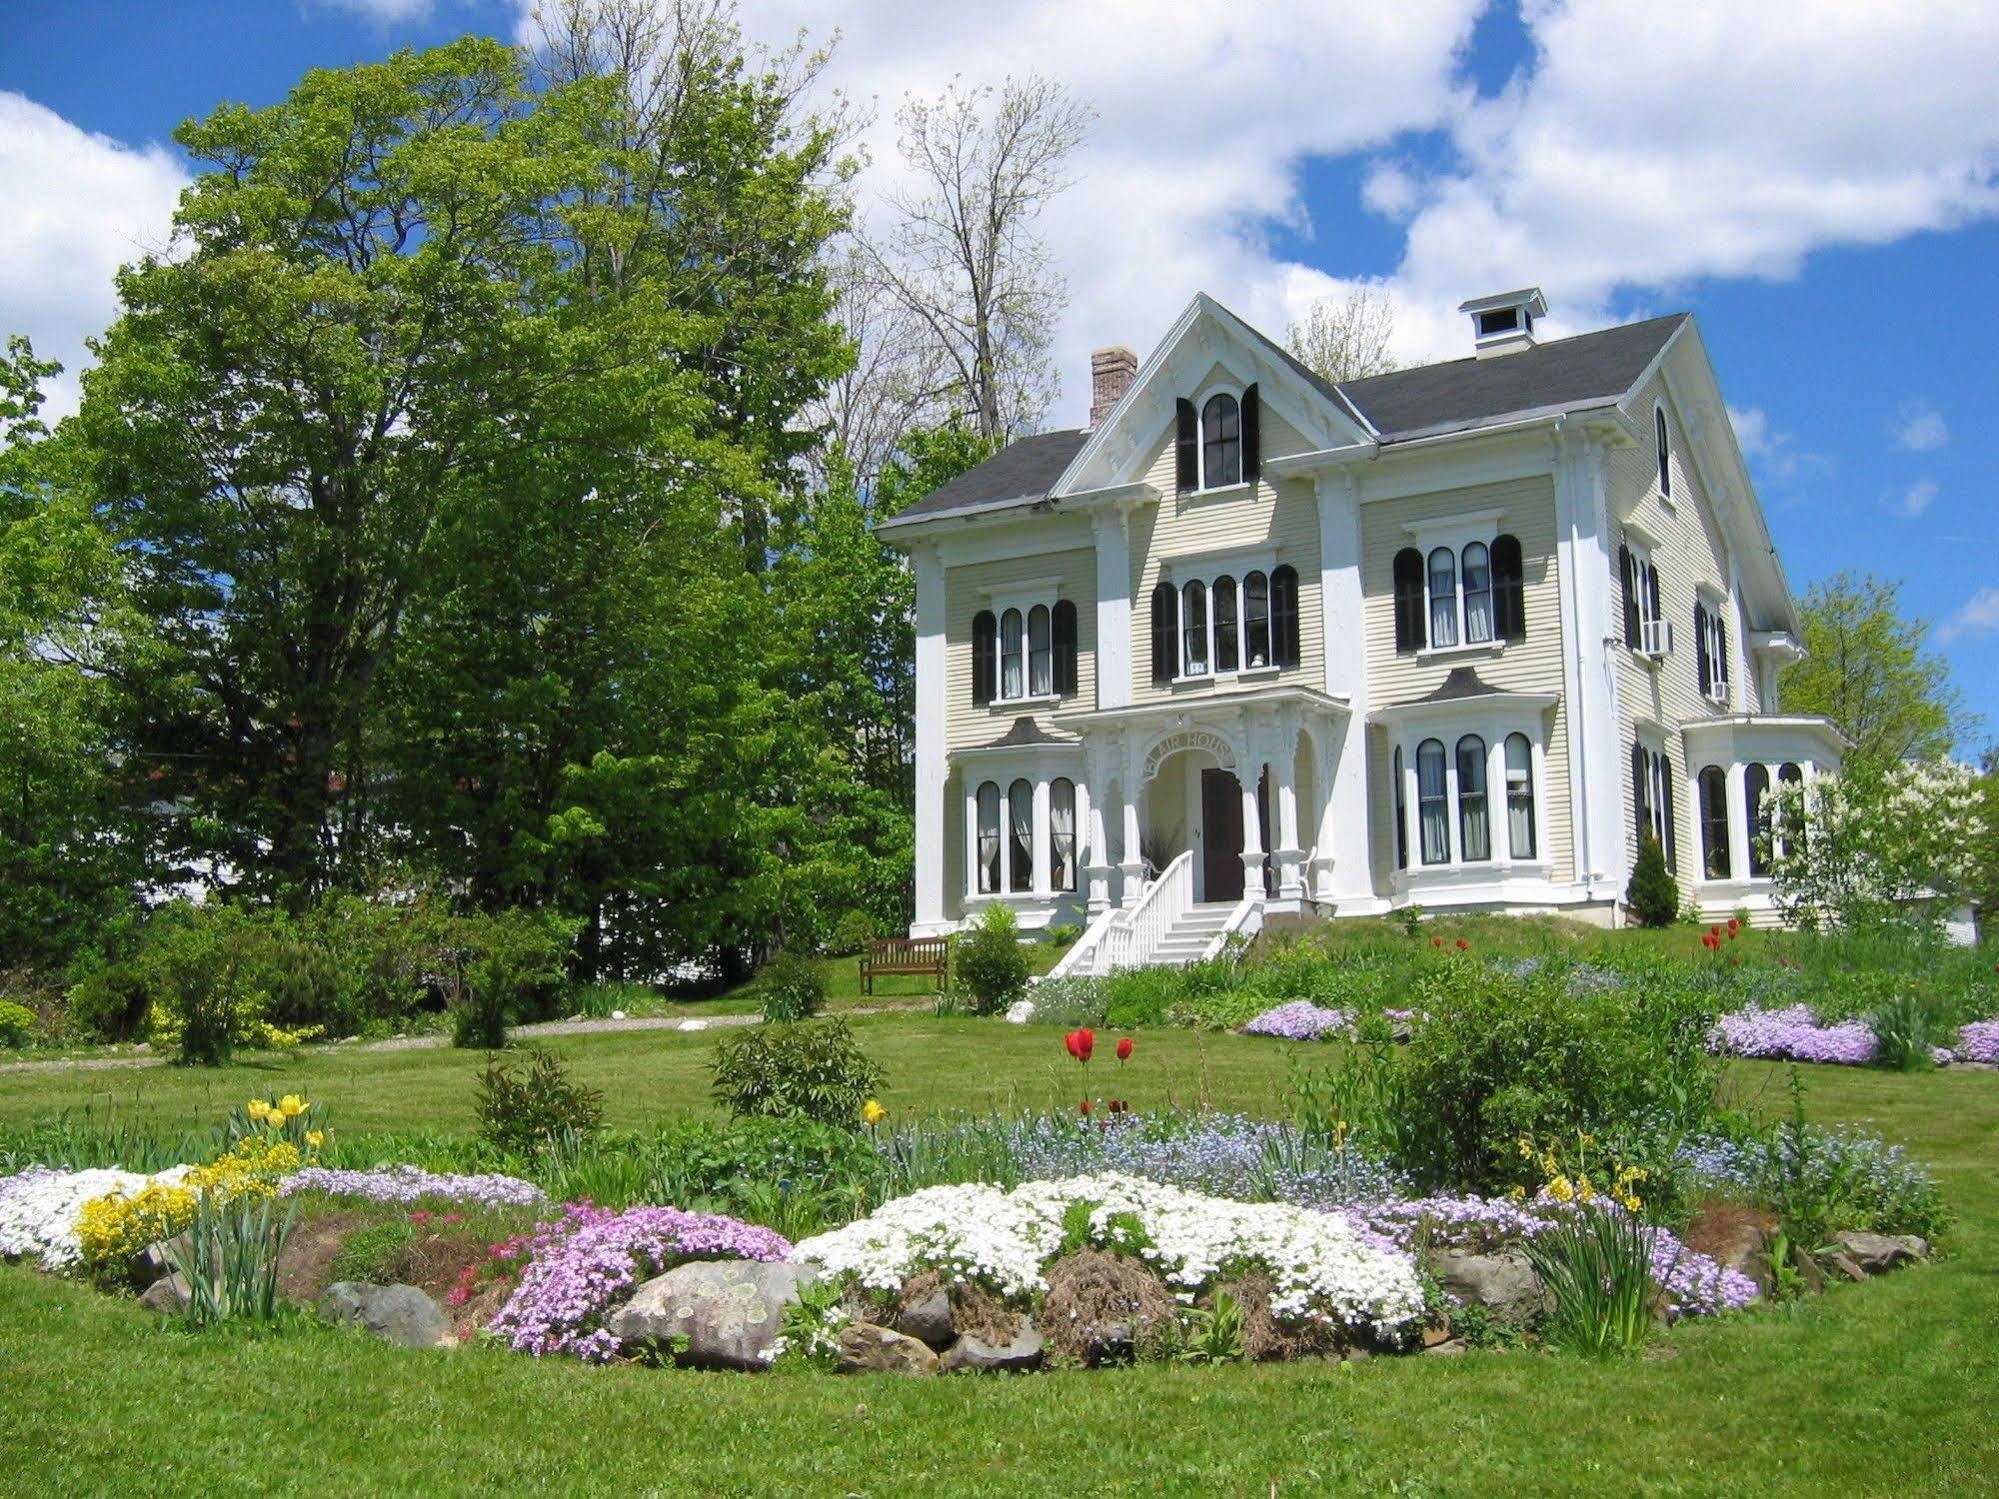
[(1653, 627), (1041, 776), (1426, 540), (1201, 485), (1235, 565), (1043, 592), (1662, 457), (1494, 730), (1658, 778), (1720, 687)]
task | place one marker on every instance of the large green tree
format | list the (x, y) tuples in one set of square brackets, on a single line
[(1869, 668)]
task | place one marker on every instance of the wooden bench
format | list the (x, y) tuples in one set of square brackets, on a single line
[(906, 955)]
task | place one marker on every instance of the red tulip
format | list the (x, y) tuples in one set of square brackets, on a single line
[(1081, 1043), (1436, 942), (1463, 946), (1124, 1049), (1086, 1108)]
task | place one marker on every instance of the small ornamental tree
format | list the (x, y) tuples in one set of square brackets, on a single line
[(989, 962), (1878, 847), (1653, 894)]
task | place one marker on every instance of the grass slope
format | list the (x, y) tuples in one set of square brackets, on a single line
[(1884, 1388)]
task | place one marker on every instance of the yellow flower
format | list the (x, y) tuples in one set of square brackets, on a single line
[(259, 1110), (291, 1106), (1560, 1189), (872, 1112), (315, 1138)]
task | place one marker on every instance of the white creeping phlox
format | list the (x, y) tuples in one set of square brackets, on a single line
[(1321, 1269), (40, 1209)]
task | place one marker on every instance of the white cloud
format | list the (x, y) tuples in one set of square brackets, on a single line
[(1977, 615), (1913, 501), (1774, 454), (387, 12), (73, 208), (1920, 427)]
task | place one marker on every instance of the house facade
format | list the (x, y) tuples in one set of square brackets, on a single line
[(1256, 643)]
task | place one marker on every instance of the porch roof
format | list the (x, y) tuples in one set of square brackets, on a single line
[(1208, 705)]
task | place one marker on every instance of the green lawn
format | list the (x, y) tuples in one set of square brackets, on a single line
[(1885, 1388)]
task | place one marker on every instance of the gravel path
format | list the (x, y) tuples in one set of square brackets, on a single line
[(420, 1043)]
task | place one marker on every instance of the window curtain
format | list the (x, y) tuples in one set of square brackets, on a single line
[(1477, 568), (1443, 598), (1040, 661), (1020, 807), (989, 839), (1520, 796), (1474, 825), (1194, 630), (1062, 833), (1010, 662), (1756, 789), (1256, 619), (1226, 657), (1714, 821), (1432, 804)]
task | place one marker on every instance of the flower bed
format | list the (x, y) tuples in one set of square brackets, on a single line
[(1322, 1270), (1793, 1034), (1300, 1020), (409, 1184), (581, 1265), (41, 1211)]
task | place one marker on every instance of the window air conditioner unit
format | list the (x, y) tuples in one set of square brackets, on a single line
[(1657, 635)]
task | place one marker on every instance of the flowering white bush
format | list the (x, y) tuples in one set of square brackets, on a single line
[(41, 1210), (1322, 1269)]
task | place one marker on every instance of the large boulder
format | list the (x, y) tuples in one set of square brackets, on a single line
[(868, 1349), (170, 1295), (1022, 1351), (401, 1314), (1873, 1253), (156, 1261), (927, 1316), (717, 1314), (1504, 1284)]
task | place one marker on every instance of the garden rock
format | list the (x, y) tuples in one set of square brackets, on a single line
[(169, 1295), (1873, 1253), (928, 1318), (868, 1349), (1504, 1284), (156, 1261), (400, 1314), (1023, 1351), (1020, 1012), (729, 1312)]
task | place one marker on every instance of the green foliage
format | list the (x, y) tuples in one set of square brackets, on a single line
[(17, 1023), (1596, 1261), (1214, 1334), (1909, 1027), (376, 1252), (110, 1004), (503, 968), (1064, 934), (229, 1257), (793, 988), (528, 1103), (988, 961), (851, 934), (1653, 894), (815, 1070)]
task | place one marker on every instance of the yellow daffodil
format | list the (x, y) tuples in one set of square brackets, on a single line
[(259, 1110), (315, 1138), (872, 1112), (291, 1106)]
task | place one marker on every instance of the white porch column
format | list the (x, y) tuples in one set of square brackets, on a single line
[(1132, 865), (932, 770), (1248, 776), (1343, 841), (1738, 821), (1112, 528), (1043, 878), (1585, 567), (1290, 857), (971, 839), (1097, 868)]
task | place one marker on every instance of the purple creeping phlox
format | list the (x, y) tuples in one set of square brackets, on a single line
[(409, 1184), (588, 1260), (1979, 1041), (1300, 1020), (1793, 1034)]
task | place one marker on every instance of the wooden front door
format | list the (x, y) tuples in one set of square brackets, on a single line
[(1221, 836)]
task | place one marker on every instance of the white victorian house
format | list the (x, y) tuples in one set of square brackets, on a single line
[(1253, 643)]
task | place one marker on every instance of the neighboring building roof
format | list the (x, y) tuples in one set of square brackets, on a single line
[(1568, 374), (1025, 469)]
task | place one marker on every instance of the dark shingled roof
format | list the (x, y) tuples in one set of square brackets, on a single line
[(1025, 469), (1590, 369), (1463, 682), (1025, 732)]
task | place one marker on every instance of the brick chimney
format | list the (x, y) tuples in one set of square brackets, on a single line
[(1111, 372)]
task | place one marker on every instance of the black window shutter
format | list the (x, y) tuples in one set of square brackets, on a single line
[(1700, 650), (1165, 633), (1640, 791), (1720, 628), (1509, 588), (1284, 614), (985, 658), (1630, 572), (1186, 445), (1672, 837), (1409, 607), (1062, 629), (1252, 436)]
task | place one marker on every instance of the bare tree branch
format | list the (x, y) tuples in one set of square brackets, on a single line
[(1345, 338)]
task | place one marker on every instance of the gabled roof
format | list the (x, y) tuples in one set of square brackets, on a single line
[(1025, 469), (1568, 374)]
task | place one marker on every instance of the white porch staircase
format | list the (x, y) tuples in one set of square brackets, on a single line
[(1165, 929)]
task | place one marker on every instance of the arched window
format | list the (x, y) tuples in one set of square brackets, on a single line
[(985, 658), (1409, 629), (1665, 451), (1756, 792), (1020, 822), (1256, 620), (1793, 829), (989, 838), (1509, 589), (1284, 615), (1401, 814), (1040, 655), (1194, 628), (1433, 805), (1714, 822), (1165, 633), (1227, 655), (1519, 797), (1476, 565), (1474, 825), (1221, 442), (1011, 664), (1065, 647), (1443, 598), (1062, 833)]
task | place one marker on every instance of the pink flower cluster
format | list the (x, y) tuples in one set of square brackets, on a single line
[(1979, 1041), (587, 1261), (1793, 1034)]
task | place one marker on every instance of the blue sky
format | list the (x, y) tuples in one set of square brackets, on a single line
[(1825, 198)]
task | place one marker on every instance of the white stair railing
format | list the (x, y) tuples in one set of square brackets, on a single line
[(1124, 938), (1244, 922)]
